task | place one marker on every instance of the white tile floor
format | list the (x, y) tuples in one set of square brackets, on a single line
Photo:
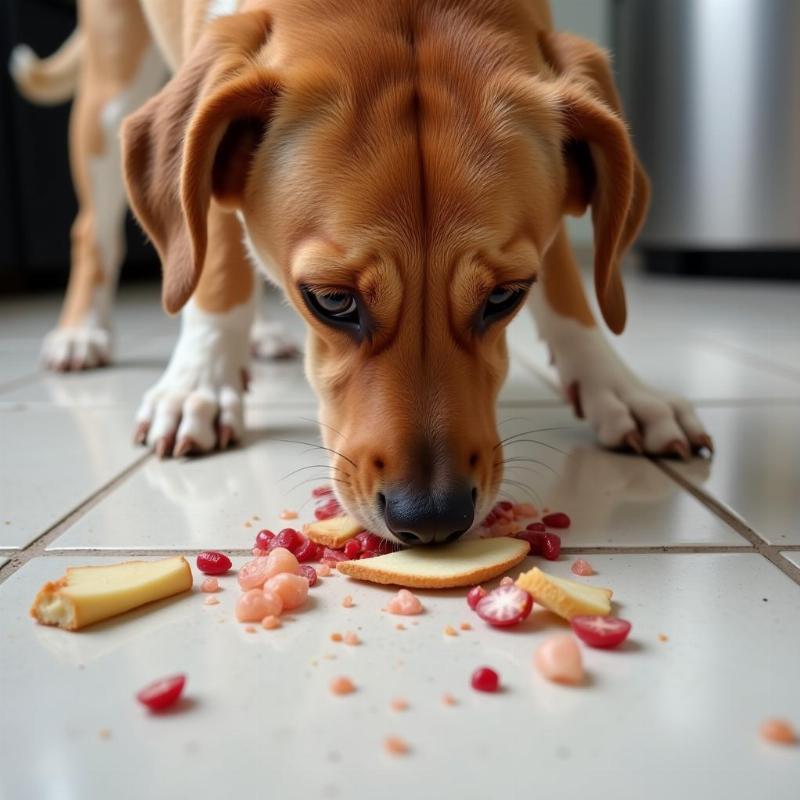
[(706, 553)]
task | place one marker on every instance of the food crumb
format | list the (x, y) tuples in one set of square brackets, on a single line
[(395, 746), (449, 700), (351, 638), (404, 603), (248, 524), (399, 704), (400, 626), (209, 585), (347, 601), (449, 630), (288, 513), (662, 637), (104, 733), (329, 657), (250, 629), (507, 581), (336, 636), (778, 731), (465, 626), (211, 601), (323, 570), (256, 517), (270, 622), (582, 567), (342, 685)]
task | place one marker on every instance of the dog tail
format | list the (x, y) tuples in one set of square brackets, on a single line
[(52, 80)]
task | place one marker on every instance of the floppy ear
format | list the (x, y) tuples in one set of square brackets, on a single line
[(603, 170), (195, 140)]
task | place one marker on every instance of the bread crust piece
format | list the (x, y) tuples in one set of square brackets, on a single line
[(564, 597), (493, 560), (333, 532)]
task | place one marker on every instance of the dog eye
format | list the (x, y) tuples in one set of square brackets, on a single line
[(337, 307), (501, 301)]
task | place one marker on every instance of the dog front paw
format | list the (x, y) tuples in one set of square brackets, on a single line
[(74, 349)]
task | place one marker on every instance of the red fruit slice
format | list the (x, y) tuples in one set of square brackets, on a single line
[(368, 554), (601, 631), (536, 526), (307, 552), (352, 548), (551, 546), (321, 491), (264, 539), (535, 540), (213, 563), (333, 555), (485, 679), (288, 538), (475, 595), (504, 606), (369, 541), (385, 546), (163, 693), (557, 520), (309, 573)]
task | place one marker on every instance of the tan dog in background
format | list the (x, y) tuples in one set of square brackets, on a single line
[(401, 169)]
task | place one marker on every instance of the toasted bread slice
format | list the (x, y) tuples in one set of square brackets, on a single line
[(441, 567), (566, 598), (333, 532), (89, 594)]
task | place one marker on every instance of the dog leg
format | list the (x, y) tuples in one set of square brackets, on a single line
[(269, 339), (623, 411), (119, 70), (197, 405)]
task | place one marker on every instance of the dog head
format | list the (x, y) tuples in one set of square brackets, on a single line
[(404, 196)]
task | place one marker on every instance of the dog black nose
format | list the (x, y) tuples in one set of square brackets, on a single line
[(432, 517)]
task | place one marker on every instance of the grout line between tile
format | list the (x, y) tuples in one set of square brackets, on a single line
[(37, 547), (760, 545), (17, 383), (767, 364)]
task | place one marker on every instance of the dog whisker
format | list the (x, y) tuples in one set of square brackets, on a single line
[(520, 459), (324, 425), (524, 487), (319, 447), (311, 466), (318, 478), (541, 444), (537, 430)]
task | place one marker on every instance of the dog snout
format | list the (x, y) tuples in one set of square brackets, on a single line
[(428, 517)]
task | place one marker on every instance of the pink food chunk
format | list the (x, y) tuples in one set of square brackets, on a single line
[(257, 572), (405, 603), (582, 567), (209, 585), (288, 513), (211, 601), (778, 731), (559, 660), (351, 638), (395, 746), (347, 601), (399, 704), (524, 511), (323, 570), (270, 622), (254, 605), (342, 685), (292, 589)]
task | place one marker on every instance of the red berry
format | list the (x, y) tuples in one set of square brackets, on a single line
[(307, 552), (385, 546), (368, 554), (213, 563), (369, 541), (288, 538), (551, 546), (490, 519), (536, 526), (557, 520), (162, 693), (309, 573), (323, 513), (485, 679), (475, 594), (352, 548), (504, 606), (505, 505), (333, 555), (321, 491), (535, 540), (600, 631), (320, 552)]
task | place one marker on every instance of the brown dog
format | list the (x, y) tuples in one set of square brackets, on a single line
[(401, 169)]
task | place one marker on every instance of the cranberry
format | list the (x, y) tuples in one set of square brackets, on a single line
[(506, 505), (320, 552), (557, 520), (162, 693), (582, 567), (504, 606), (369, 541), (489, 520), (600, 631), (321, 491), (474, 595), (213, 563), (551, 546), (368, 554), (352, 548), (309, 573), (324, 512), (264, 539), (288, 538), (333, 555), (536, 526), (307, 552), (485, 679), (535, 540)]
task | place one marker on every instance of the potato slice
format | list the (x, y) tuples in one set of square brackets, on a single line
[(460, 564), (333, 532), (566, 598)]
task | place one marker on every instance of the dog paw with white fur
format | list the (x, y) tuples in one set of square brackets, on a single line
[(197, 405), (622, 410), (75, 349), (270, 341)]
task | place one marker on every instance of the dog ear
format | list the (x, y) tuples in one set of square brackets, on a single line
[(194, 141), (603, 170)]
